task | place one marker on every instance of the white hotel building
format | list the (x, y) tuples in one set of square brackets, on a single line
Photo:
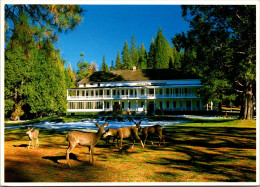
[(138, 90)]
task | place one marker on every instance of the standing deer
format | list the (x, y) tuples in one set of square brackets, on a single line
[(127, 132), (88, 139), (110, 133), (151, 130), (33, 135)]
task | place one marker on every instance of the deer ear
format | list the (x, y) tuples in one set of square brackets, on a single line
[(140, 121), (106, 125), (97, 124), (135, 122)]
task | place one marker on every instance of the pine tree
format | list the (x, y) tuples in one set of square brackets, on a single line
[(226, 36), (151, 62), (127, 61), (84, 67), (142, 62), (112, 66), (118, 62), (104, 65), (133, 52), (161, 56)]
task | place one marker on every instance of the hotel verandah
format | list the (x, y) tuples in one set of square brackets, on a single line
[(136, 90)]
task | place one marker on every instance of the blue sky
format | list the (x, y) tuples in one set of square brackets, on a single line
[(105, 28)]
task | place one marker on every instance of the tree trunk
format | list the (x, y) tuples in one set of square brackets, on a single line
[(247, 108)]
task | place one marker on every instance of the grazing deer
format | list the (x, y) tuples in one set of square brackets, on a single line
[(127, 132), (33, 135), (151, 130), (110, 133), (88, 139)]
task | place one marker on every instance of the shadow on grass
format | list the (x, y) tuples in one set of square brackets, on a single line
[(211, 151), (56, 159), (21, 145), (16, 175)]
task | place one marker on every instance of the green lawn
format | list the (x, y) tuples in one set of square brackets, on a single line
[(223, 151)]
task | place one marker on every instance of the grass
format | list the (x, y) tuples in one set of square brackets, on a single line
[(194, 152)]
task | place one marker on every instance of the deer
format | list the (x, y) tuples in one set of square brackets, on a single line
[(127, 132), (151, 130), (33, 135), (87, 139), (110, 133)]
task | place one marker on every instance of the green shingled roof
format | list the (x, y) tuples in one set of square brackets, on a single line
[(137, 75)]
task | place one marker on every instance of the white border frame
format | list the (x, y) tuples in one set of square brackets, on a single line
[(129, 2)]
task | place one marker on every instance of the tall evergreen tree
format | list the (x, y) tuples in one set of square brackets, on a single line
[(112, 66), (84, 67), (133, 52), (142, 62), (226, 36), (127, 61), (104, 65), (151, 62), (161, 56), (118, 62)]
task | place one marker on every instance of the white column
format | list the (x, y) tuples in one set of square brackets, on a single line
[(145, 105), (211, 105), (103, 107), (111, 105), (145, 91), (111, 93)]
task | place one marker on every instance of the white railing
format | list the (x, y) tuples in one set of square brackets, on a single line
[(140, 96)]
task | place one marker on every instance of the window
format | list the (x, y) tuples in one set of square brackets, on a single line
[(142, 91), (167, 91), (198, 104), (85, 85), (98, 84), (142, 104), (77, 92), (131, 92), (176, 91), (188, 104), (83, 93), (161, 104), (108, 92), (160, 91), (174, 104), (129, 105), (123, 105), (123, 92), (114, 92), (92, 93), (168, 104), (151, 91), (100, 92)]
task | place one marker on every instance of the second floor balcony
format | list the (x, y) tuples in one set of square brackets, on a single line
[(138, 96)]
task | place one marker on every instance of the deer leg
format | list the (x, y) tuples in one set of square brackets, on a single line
[(92, 154), (145, 138), (71, 146), (121, 139), (37, 142), (29, 144), (133, 143)]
